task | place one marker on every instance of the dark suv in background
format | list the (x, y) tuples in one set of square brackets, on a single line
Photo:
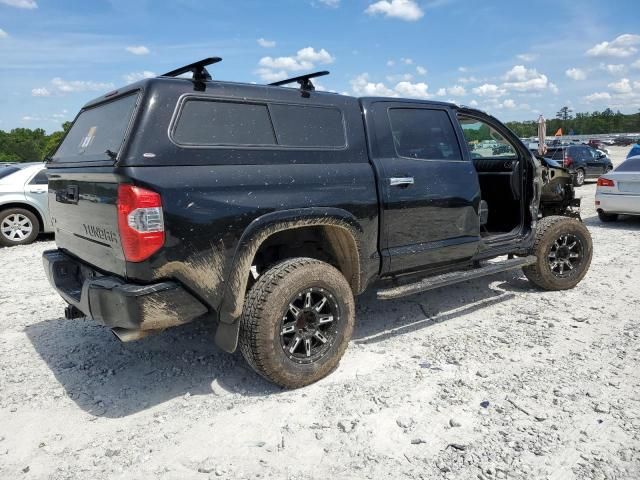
[(583, 161)]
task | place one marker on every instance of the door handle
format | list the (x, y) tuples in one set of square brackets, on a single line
[(401, 181), (37, 191)]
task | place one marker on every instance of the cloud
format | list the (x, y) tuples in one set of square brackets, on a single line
[(471, 79), (473, 103), (527, 57), (457, 90), (263, 42), (3, 34), (138, 50), (40, 92), (489, 90), (523, 79), (136, 76), (576, 74), (614, 69), (413, 90), (622, 46), (27, 4), (441, 92), (463, 69), (401, 77), (402, 9), (363, 86), (407, 61), (623, 86), (636, 65), (305, 59), (597, 97), (391, 63), (330, 3), (72, 86), (508, 103), (421, 70)]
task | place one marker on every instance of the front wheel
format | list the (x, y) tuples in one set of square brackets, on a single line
[(297, 321), (579, 178), (563, 248), (18, 227)]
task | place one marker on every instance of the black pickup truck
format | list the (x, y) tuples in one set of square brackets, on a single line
[(267, 209)]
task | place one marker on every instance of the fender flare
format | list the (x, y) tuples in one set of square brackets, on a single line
[(255, 234)]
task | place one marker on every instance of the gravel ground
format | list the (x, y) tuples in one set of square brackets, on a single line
[(487, 379)]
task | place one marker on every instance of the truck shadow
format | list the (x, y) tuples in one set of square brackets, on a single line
[(107, 378)]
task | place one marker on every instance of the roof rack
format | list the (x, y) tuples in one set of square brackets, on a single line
[(303, 80), (200, 73)]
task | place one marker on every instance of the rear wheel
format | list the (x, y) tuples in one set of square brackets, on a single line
[(607, 217), (579, 178), (563, 248), (297, 321), (18, 227)]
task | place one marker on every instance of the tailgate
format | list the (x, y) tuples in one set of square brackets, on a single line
[(82, 204), (83, 184)]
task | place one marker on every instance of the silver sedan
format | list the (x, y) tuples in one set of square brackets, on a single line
[(24, 211), (618, 191)]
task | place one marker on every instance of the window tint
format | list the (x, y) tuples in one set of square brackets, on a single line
[(302, 126), (40, 178), (97, 130), (205, 122), (423, 133), (484, 141), (631, 165), (6, 171)]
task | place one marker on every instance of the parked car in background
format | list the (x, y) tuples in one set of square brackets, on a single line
[(583, 161), (24, 212), (622, 141), (618, 192), (598, 145)]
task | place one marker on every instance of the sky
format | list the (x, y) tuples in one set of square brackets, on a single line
[(512, 59)]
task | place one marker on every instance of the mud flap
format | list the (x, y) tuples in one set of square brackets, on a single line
[(227, 336)]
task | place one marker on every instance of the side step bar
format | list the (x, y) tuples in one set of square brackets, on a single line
[(455, 277)]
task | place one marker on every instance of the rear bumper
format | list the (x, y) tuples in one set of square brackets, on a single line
[(112, 302), (618, 203)]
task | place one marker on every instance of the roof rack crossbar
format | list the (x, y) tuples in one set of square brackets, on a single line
[(303, 80), (198, 69)]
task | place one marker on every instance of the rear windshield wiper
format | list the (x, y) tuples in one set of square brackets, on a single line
[(112, 155)]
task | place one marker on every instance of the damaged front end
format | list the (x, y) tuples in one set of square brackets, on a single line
[(557, 195)]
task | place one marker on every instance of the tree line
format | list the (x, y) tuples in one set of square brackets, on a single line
[(29, 145), (586, 123)]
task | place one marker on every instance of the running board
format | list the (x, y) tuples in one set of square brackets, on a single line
[(455, 277)]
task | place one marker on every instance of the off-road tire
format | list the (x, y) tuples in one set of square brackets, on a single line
[(607, 217), (579, 178), (548, 230), (34, 222), (260, 325)]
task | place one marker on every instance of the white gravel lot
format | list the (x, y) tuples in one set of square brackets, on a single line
[(487, 379)]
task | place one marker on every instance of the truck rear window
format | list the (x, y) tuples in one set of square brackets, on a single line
[(98, 132)]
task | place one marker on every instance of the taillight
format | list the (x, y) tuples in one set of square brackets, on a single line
[(568, 161), (606, 182), (140, 222)]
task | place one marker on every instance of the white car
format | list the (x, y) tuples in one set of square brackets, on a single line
[(618, 191), (24, 210)]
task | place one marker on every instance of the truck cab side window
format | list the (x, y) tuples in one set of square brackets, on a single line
[(484, 141), (424, 134)]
